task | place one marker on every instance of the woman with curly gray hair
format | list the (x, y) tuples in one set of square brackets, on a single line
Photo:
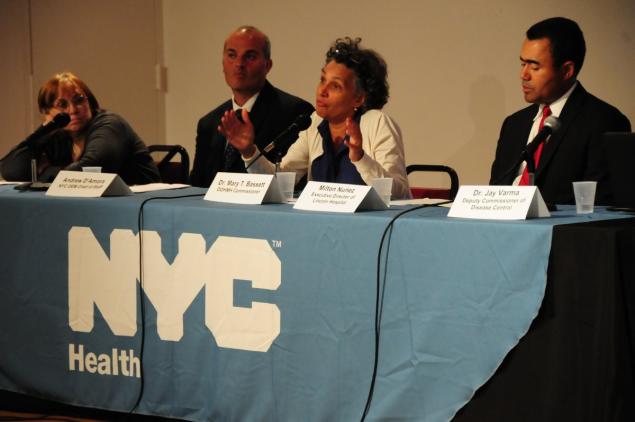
[(350, 139)]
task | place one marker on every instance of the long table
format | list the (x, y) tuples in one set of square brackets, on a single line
[(577, 362), (229, 312)]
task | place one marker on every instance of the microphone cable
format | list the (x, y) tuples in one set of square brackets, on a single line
[(379, 295), (140, 290)]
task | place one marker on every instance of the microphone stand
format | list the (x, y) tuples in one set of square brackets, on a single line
[(33, 170), (278, 160), (268, 148), (33, 185)]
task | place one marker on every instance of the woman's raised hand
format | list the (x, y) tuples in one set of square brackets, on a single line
[(353, 140)]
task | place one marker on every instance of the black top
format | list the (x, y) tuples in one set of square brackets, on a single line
[(334, 165), (273, 112), (110, 143)]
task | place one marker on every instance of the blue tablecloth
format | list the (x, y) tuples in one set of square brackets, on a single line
[(457, 296)]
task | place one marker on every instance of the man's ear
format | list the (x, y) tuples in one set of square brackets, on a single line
[(568, 70)]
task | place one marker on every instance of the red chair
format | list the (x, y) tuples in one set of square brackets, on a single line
[(438, 193)]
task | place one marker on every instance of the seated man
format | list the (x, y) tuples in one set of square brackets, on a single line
[(551, 58), (246, 63)]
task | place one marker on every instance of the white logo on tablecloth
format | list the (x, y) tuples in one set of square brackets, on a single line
[(111, 285)]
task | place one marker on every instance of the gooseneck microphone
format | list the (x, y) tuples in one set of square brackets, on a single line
[(60, 120), (551, 125), (35, 142), (302, 122), (287, 136)]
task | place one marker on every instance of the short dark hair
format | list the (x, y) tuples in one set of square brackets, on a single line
[(370, 69), (565, 38), (48, 92)]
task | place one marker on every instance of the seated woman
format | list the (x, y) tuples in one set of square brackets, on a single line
[(350, 140), (93, 137)]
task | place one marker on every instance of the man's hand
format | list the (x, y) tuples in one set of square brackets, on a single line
[(240, 135)]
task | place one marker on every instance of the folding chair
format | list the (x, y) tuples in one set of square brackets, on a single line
[(439, 193), (171, 171)]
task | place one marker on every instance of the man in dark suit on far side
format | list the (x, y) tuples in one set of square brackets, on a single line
[(246, 63), (551, 58)]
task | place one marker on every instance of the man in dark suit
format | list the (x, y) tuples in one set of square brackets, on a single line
[(551, 58), (246, 63)]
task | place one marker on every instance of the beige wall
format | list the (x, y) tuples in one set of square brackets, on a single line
[(15, 71), (453, 65), (114, 46)]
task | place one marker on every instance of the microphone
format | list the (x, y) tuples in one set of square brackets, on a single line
[(551, 125), (302, 122), (288, 135), (34, 142), (59, 121)]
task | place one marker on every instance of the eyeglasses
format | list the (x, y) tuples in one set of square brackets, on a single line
[(61, 104)]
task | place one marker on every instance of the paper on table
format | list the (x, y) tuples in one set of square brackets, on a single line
[(157, 186), (421, 201)]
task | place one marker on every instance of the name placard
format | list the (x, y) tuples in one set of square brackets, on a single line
[(87, 185), (499, 203), (244, 188), (338, 197)]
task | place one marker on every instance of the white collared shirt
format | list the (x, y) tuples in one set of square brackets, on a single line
[(249, 104)]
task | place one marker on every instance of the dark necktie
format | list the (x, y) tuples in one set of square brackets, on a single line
[(230, 155), (524, 179)]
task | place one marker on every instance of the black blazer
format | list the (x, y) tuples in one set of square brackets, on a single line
[(575, 152), (272, 113)]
